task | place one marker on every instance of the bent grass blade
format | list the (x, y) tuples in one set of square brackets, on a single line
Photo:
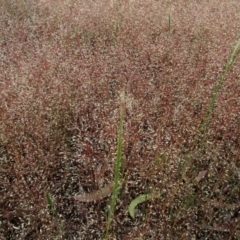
[(136, 201)]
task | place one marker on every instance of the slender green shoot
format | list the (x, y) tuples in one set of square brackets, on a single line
[(201, 133), (116, 186), (205, 124), (50, 204), (54, 212), (202, 130), (169, 25)]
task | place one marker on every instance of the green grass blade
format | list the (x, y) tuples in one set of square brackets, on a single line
[(50, 203), (136, 201), (201, 133), (205, 124), (117, 169), (202, 130), (169, 25)]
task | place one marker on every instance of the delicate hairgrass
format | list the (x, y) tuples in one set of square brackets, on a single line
[(45, 138), (200, 134), (116, 187)]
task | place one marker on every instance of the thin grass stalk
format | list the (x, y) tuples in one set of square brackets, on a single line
[(54, 212), (201, 133), (114, 196), (202, 130), (169, 25), (207, 119)]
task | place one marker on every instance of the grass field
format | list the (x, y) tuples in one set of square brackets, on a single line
[(109, 106)]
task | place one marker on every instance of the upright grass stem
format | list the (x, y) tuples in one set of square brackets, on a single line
[(199, 136), (205, 124), (202, 130), (169, 25), (114, 196), (54, 212)]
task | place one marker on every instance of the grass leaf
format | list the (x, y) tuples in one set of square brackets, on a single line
[(136, 201), (117, 167), (50, 203)]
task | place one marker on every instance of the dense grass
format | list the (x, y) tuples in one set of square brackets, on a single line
[(63, 67)]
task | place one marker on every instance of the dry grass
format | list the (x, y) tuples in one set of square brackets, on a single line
[(62, 66)]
